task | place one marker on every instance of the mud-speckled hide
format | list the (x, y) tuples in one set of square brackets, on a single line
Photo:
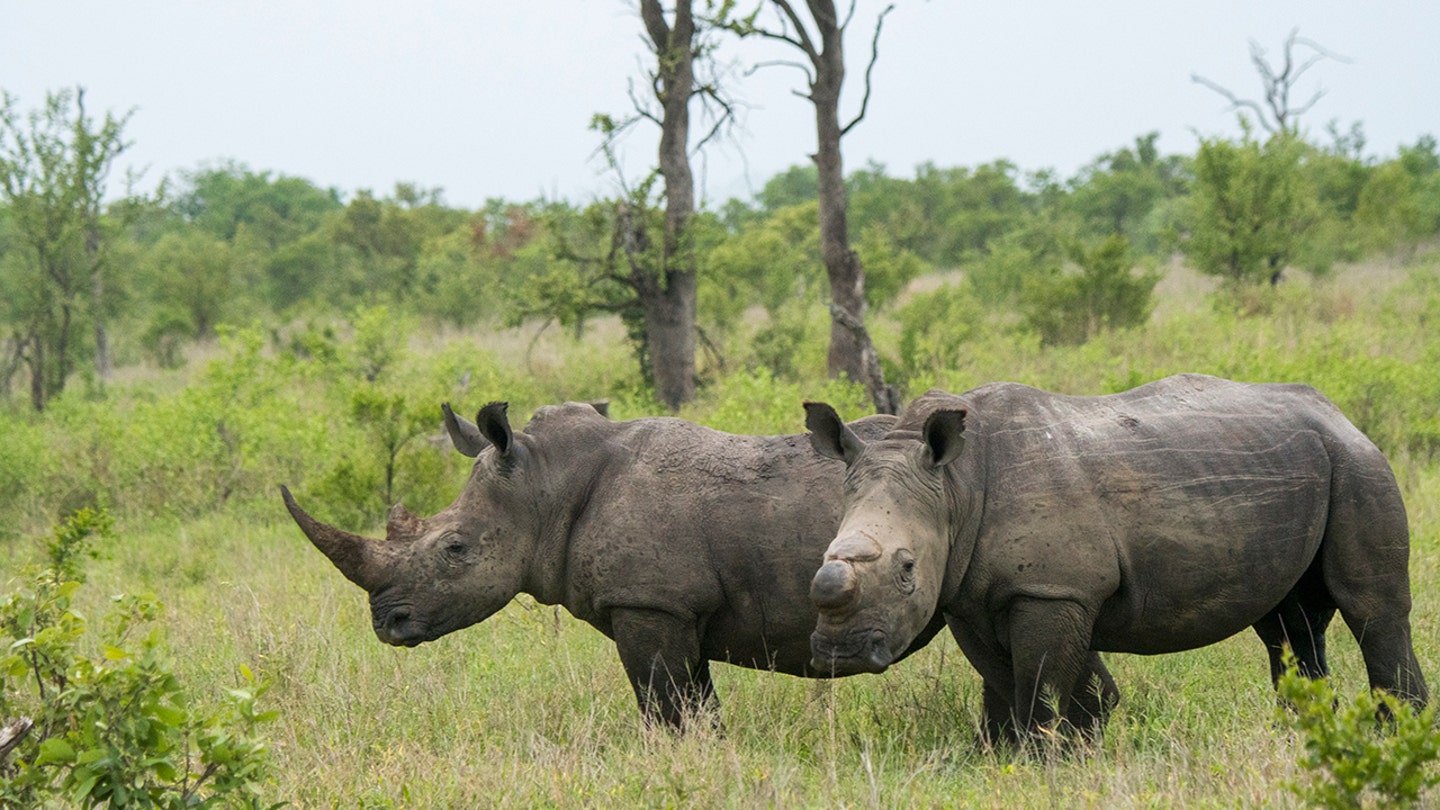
[(1044, 528)]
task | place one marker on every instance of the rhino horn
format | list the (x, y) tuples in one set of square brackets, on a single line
[(351, 553), (833, 586), (402, 524)]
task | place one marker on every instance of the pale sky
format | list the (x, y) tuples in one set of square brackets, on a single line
[(492, 99)]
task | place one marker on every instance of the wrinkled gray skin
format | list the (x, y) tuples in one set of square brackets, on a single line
[(1044, 528), (683, 544)]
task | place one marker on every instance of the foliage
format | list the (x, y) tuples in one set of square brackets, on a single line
[(225, 200), (1104, 294), (1373, 750), (115, 728), (889, 267), (1250, 208), (998, 274), (935, 326), (53, 171), (1118, 191), (192, 276)]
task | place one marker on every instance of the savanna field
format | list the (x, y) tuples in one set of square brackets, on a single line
[(531, 708)]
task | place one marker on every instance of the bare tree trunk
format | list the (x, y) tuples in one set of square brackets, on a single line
[(97, 277), (851, 351), (37, 374), (668, 301)]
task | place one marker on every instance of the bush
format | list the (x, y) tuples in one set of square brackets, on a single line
[(116, 728), (934, 326), (1070, 308), (1374, 747)]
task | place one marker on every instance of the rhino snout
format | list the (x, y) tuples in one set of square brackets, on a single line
[(833, 586), (398, 627), (862, 651)]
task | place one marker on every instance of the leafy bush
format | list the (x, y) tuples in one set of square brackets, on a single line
[(1073, 307), (117, 728), (1373, 747), (934, 326)]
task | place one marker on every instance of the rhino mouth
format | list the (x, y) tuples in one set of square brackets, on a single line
[(850, 654), (399, 628)]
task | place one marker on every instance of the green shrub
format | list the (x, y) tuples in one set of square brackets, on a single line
[(1073, 307), (1374, 750), (935, 326), (114, 728)]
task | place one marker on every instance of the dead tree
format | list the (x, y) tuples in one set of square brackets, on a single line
[(822, 43), (1277, 114)]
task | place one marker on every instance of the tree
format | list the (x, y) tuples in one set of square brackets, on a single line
[(276, 210), (1250, 208), (667, 295), (651, 256), (851, 351), (53, 171), (1278, 114), (192, 278), (1117, 192)]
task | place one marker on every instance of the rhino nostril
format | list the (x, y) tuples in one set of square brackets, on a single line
[(397, 618), (833, 586)]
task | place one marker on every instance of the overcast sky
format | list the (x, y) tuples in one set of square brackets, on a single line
[(492, 99)]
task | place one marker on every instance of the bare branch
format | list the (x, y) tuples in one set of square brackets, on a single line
[(874, 56), (708, 96), (1235, 103), (11, 735), (1279, 83), (769, 63), (801, 39)]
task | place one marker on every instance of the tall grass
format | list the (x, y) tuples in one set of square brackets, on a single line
[(531, 708)]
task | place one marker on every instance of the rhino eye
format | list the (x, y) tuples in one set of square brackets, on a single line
[(905, 575)]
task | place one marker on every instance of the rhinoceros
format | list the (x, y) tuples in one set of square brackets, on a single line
[(1044, 528), (683, 544)]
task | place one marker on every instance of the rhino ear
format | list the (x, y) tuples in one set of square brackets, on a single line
[(829, 436), (463, 433), (602, 407), (943, 435), (494, 425)]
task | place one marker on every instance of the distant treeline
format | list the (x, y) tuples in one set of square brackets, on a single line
[(1062, 257)]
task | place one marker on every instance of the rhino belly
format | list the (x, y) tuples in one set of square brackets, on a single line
[(1204, 572)]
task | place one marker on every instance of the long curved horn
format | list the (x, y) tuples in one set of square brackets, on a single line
[(349, 552)]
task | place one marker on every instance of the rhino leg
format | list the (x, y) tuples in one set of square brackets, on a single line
[(661, 656), (1364, 559), (1052, 661), (1299, 622), (1094, 697), (1390, 657), (1011, 685)]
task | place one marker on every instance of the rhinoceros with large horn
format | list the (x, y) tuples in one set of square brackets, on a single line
[(683, 544), (1043, 528)]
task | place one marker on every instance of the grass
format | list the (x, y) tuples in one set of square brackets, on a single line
[(531, 708)]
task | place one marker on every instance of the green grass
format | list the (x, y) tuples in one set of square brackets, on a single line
[(531, 708)]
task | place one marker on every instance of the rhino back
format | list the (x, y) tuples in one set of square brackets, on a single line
[(1190, 505), (723, 528)]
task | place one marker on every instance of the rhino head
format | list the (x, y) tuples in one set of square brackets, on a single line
[(432, 576), (879, 583)]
